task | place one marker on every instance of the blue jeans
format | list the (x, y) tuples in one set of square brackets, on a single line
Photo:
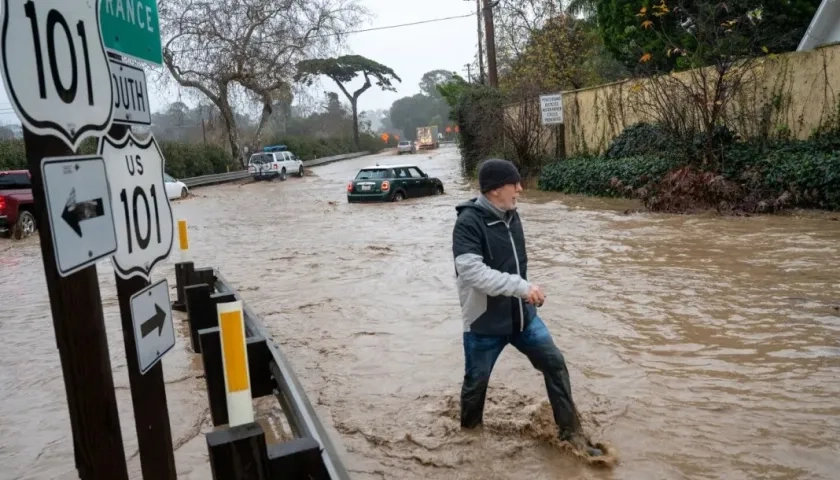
[(481, 352)]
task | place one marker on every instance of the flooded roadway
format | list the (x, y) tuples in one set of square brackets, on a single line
[(699, 346)]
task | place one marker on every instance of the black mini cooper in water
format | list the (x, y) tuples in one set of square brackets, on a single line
[(391, 183)]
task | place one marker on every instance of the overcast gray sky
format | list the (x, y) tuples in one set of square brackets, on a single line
[(411, 51)]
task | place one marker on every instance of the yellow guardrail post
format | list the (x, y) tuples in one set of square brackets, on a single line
[(235, 363), (183, 240)]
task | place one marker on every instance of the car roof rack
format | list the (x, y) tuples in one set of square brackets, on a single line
[(275, 148)]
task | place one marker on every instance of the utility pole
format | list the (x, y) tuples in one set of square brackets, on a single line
[(469, 73), (492, 72), (480, 43)]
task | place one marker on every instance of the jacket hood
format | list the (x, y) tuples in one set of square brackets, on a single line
[(473, 203), (461, 207), (485, 209)]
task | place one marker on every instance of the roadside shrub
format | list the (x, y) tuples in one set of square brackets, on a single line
[(805, 178), (608, 177), (642, 139), (754, 178), (185, 160), (480, 116), (12, 155), (182, 160)]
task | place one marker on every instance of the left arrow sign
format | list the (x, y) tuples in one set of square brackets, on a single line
[(76, 212), (82, 231)]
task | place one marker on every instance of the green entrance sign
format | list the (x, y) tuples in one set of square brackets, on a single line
[(131, 28)]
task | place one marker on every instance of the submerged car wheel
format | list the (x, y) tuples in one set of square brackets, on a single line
[(283, 175), (25, 225), (300, 171), (438, 190), (399, 197), (184, 192)]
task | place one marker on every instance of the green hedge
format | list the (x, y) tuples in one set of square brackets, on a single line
[(182, 160), (641, 139), (806, 173), (185, 160), (597, 175), (758, 177)]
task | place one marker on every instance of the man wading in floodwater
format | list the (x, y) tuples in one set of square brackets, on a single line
[(498, 304)]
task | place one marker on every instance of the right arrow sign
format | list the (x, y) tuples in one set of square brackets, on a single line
[(151, 315), (154, 323)]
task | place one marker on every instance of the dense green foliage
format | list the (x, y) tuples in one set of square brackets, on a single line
[(640, 139), (479, 115), (598, 175), (184, 160), (782, 26), (749, 176)]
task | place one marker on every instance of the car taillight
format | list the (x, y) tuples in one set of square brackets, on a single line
[(385, 185), (349, 186), (2, 205)]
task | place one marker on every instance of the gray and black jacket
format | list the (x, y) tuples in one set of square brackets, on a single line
[(491, 268)]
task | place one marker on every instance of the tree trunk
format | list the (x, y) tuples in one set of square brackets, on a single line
[(353, 103), (266, 113), (230, 123)]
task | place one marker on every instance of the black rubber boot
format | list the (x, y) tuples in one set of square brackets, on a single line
[(580, 443)]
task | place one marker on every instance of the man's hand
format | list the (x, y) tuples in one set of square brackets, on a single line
[(535, 295)]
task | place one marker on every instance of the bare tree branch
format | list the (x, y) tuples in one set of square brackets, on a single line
[(231, 49)]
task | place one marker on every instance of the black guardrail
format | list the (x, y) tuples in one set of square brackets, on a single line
[(241, 452)]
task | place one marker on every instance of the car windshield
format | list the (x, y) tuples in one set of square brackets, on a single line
[(261, 158), (404, 143), (14, 181), (377, 173), (167, 178)]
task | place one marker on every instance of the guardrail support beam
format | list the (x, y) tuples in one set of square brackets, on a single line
[(239, 453), (259, 364), (183, 274), (214, 375), (203, 275), (297, 458), (199, 309)]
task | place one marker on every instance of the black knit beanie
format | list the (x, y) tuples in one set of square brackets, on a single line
[(495, 173)]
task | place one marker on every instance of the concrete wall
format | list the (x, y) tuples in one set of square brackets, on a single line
[(791, 94)]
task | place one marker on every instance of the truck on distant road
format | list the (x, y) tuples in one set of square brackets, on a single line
[(427, 137)]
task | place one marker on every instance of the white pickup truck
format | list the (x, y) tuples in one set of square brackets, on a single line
[(274, 162)]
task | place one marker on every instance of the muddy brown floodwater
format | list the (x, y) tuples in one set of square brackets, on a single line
[(699, 346)]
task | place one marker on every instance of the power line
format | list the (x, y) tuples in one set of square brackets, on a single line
[(327, 35)]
